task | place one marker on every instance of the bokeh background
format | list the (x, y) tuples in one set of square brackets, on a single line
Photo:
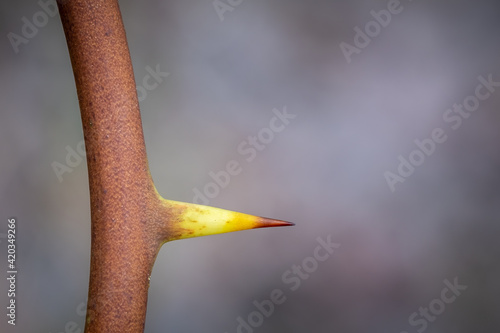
[(324, 171)]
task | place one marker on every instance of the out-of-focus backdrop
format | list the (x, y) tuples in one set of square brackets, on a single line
[(385, 148)]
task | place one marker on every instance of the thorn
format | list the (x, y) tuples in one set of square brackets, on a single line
[(186, 220)]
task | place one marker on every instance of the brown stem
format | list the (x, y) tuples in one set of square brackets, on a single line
[(121, 190), (130, 220)]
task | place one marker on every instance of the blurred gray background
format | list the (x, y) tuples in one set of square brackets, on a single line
[(324, 171)]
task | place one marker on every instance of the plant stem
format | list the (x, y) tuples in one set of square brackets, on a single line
[(129, 219), (121, 190)]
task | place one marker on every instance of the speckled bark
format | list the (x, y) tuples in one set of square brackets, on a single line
[(130, 220), (121, 191)]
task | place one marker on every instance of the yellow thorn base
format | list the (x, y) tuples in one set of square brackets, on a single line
[(192, 220)]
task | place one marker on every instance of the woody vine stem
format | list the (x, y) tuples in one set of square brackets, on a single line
[(130, 221)]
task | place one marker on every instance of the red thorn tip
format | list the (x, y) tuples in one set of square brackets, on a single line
[(265, 222)]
